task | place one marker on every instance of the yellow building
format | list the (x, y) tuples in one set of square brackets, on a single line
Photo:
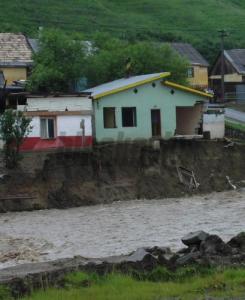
[(15, 57), (198, 70)]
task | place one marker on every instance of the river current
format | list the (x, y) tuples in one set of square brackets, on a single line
[(118, 228)]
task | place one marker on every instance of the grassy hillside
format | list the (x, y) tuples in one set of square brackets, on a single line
[(196, 21)]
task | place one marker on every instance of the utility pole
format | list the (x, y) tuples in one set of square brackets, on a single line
[(223, 34)]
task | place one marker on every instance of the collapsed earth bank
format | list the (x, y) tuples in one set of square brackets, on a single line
[(120, 171)]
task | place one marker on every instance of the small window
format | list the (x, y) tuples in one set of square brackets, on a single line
[(190, 72), (129, 117), (109, 117), (47, 128)]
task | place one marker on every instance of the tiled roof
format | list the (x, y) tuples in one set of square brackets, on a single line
[(237, 58), (14, 50), (191, 54)]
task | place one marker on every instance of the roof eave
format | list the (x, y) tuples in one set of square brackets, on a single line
[(187, 89), (129, 86)]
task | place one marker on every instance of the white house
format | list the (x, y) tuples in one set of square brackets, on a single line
[(58, 122), (214, 121)]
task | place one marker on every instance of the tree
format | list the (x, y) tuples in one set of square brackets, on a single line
[(109, 60), (14, 127), (58, 65)]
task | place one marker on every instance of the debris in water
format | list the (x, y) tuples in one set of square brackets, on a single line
[(188, 178), (230, 183)]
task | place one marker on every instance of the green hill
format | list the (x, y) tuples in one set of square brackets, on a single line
[(194, 21)]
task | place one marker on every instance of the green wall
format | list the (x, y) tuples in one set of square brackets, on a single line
[(147, 98)]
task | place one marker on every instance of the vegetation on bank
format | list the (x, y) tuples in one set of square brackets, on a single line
[(197, 22), (14, 127), (235, 125), (187, 283)]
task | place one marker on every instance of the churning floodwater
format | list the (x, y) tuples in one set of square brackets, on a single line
[(119, 228)]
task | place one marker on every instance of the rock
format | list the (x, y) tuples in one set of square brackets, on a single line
[(183, 251), (194, 238), (137, 255), (238, 242), (188, 259), (214, 245), (156, 251), (140, 260)]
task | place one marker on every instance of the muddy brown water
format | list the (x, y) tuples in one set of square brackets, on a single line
[(119, 228)]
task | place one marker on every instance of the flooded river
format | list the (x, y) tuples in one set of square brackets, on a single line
[(118, 228)]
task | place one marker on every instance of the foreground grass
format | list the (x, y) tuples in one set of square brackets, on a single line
[(228, 284)]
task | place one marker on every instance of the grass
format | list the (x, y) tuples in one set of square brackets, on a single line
[(194, 21), (235, 125), (188, 283)]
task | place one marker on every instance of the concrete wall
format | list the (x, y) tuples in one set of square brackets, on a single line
[(12, 74), (65, 126), (215, 124), (200, 78), (59, 104), (146, 98)]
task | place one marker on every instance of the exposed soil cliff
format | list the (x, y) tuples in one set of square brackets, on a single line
[(119, 172)]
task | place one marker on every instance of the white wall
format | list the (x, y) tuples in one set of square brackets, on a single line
[(70, 125), (59, 104), (35, 123), (215, 123), (66, 126)]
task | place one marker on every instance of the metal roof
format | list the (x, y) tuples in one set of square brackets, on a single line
[(191, 54), (237, 58), (14, 50), (123, 84), (34, 44)]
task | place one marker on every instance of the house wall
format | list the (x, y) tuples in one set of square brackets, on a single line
[(59, 104), (215, 124), (200, 78), (69, 134), (147, 98), (188, 119), (69, 113), (234, 77), (12, 74)]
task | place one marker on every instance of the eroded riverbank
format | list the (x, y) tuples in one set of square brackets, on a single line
[(120, 172), (118, 228)]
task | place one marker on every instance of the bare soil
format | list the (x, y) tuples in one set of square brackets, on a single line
[(116, 172)]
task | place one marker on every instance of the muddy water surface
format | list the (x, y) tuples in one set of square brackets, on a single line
[(117, 228)]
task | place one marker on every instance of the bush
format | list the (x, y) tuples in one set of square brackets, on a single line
[(14, 127)]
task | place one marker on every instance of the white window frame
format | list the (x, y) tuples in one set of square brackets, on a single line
[(47, 135)]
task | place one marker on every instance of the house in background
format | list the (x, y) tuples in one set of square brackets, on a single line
[(234, 70), (145, 107), (15, 57), (63, 122), (198, 70)]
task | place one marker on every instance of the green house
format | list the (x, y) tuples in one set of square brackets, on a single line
[(145, 107)]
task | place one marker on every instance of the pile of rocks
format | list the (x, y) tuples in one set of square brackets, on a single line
[(201, 248)]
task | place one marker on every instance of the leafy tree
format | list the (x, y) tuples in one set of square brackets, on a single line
[(58, 63), (111, 56), (14, 127)]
